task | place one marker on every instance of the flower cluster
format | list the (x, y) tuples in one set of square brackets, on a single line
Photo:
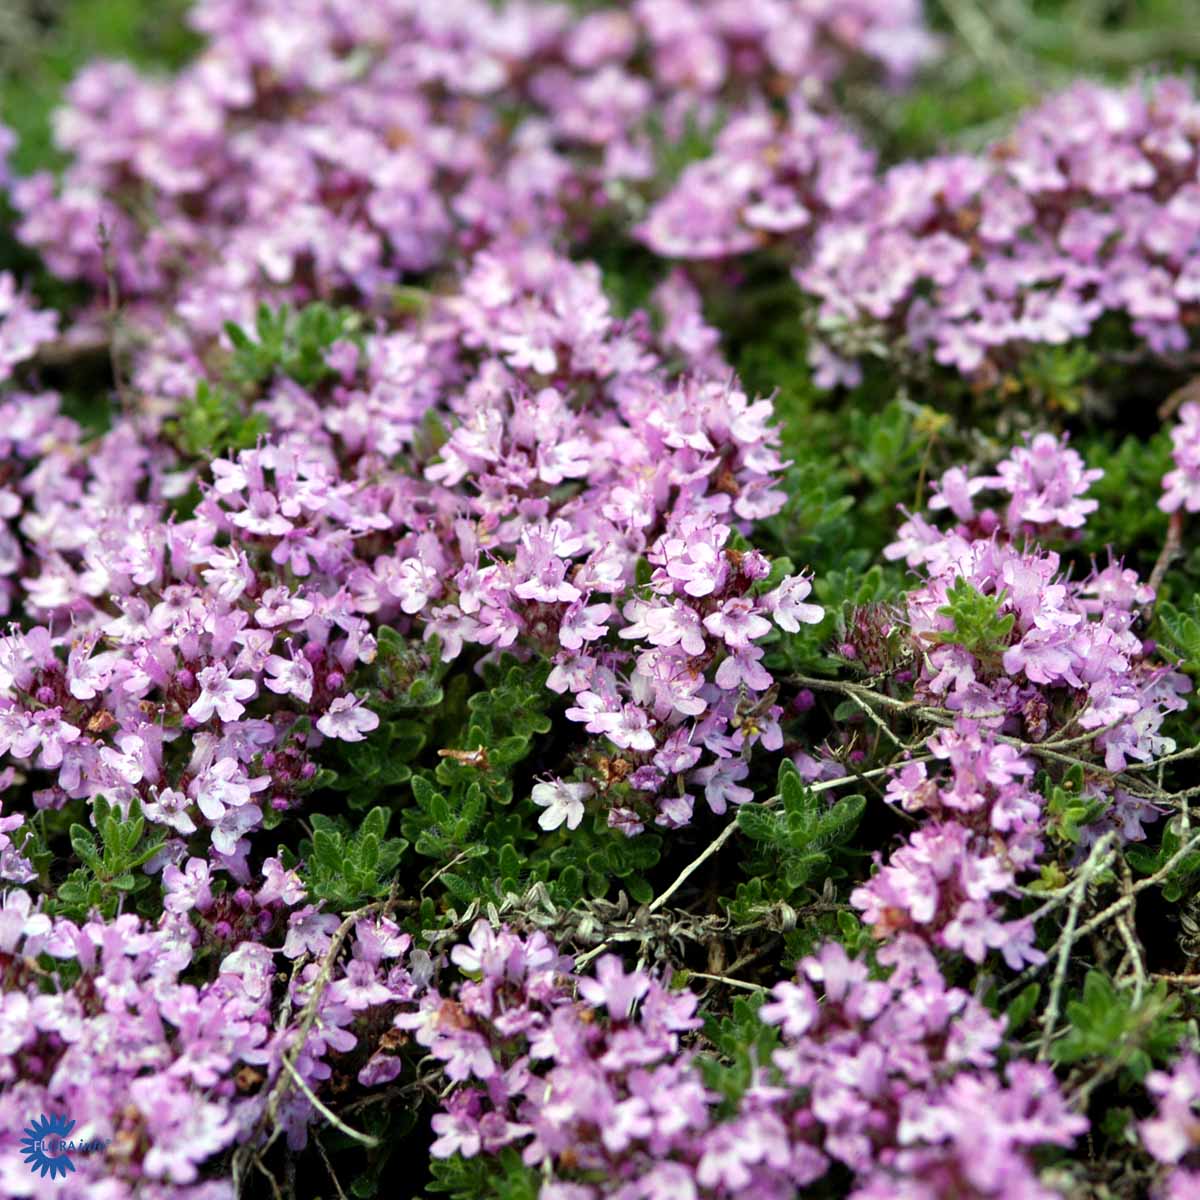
[(1181, 486), (23, 326), (327, 146), (1172, 1135), (167, 1072), (895, 1080), (370, 408), (571, 454), (981, 828), (1088, 207), (1047, 658), (1068, 639), (767, 180)]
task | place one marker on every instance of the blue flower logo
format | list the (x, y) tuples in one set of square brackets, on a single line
[(43, 1135)]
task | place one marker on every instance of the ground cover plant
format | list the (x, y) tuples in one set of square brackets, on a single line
[(599, 600)]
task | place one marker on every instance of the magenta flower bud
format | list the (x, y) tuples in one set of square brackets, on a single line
[(270, 759), (45, 694), (858, 756), (334, 680), (279, 803), (314, 652), (243, 898), (222, 931), (185, 678), (847, 650), (804, 700), (308, 770), (264, 921)]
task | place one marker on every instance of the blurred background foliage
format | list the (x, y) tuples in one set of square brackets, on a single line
[(869, 449), (1000, 56), (43, 43)]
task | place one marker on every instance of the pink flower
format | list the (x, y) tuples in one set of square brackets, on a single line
[(188, 888), (1181, 486)]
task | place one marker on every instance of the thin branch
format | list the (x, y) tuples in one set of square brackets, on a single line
[(362, 1138), (1135, 956), (1150, 881), (823, 785), (878, 721), (1125, 927), (288, 1073), (1190, 752), (391, 1093), (1172, 548), (270, 1178), (1113, 910), (329, 1168), (443, 869), (979, 35), (715, 846), (1079, 888), (725, 979)]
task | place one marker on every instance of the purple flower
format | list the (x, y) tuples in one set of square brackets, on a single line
[(290, 676), (1173, 1131), (187, 889)]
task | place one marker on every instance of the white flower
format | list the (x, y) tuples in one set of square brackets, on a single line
[(291, 676), (562, 802), (348, 720)]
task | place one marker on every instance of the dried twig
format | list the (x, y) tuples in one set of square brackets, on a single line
[(334, 1120), (1079, 891), (727, 981), (1112, 911), (288, 1075), (715, 846), (1172, 547), (329, 1167)]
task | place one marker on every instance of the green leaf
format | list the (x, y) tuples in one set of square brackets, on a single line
[(84, 846), (640, 891), (978, 624), (1180, 630), (757, 822), (1022, 1008)]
